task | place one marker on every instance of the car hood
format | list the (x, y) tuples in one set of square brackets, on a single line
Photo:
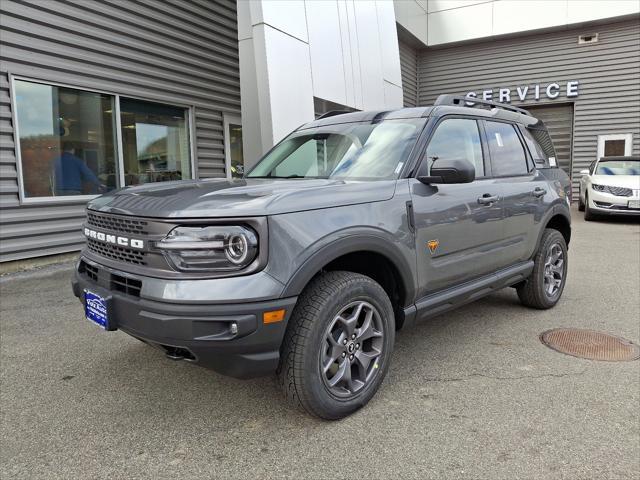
[(241, 197), (625, 181)]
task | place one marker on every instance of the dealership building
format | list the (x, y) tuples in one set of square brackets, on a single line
[(101, 94)]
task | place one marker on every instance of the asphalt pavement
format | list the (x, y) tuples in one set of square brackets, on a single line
[(471, 394)]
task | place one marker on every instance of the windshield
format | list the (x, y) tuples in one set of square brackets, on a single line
[(618, 167), (354, 151)]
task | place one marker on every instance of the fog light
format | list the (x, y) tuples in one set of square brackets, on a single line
[(233, 328)]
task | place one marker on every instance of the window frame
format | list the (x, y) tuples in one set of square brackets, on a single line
[(628, 143), (71, 199), (227, 120), (528, 160), (483, 142)]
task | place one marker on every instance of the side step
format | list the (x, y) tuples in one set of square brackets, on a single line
[(454, 297)]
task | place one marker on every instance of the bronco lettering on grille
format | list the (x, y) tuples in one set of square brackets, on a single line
[(114, 239)]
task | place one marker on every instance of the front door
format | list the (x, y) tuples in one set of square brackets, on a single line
[(458, 226)]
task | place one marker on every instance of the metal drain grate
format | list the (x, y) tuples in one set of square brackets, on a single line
[(590, 344)]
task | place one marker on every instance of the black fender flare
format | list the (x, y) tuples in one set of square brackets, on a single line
[(558, 209), (351, 243)]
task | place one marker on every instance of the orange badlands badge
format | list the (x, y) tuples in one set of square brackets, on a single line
[(433, 245)]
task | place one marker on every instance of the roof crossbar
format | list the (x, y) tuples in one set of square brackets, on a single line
[(461, 101)]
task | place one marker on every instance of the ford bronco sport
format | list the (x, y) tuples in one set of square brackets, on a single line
[(352, 227)]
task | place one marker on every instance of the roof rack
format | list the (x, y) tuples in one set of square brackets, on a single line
[(458, 100), (333, 113)]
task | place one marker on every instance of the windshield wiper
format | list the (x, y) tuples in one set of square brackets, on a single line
[(295, 175)]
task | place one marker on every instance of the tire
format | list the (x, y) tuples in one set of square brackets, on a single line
[(588, 213), (307, 346), (580, 203), (541, 289)]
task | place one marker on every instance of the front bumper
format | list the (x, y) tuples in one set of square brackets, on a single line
[(201, 333), (607, 203)]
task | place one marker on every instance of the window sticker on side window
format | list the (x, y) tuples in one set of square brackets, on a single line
[(552, 162), (499, 139)]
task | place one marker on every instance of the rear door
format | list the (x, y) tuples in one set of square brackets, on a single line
[(524, 190), (458, 226)]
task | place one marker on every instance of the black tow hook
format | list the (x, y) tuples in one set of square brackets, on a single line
[(177, 353)]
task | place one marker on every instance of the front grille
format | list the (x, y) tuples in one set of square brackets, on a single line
[(116, 252), (113, 281), (118, 224), (127, 285), (89, 270), (620, 191)]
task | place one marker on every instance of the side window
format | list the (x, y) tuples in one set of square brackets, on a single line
[(507, 152), (592, 168), (457, 138)]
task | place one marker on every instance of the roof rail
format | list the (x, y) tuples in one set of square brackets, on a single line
[(333, 113), (458, 100)]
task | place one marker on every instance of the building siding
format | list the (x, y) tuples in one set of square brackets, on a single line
[(409, 71), (173, 51), (608, 72)]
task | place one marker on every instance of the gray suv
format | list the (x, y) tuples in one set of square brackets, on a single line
[(354, 226)]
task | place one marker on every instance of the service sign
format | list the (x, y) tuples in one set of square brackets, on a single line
[(522, 93)]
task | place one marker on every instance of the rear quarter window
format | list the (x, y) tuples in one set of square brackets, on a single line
[(540, 145)]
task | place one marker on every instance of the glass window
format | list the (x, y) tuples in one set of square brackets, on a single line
[(457, 138), (349, 150), (155, 142), (543, 140), (618, 167), (66, 139), (233, 141), (507, 152), (614, 148), (537, 152)]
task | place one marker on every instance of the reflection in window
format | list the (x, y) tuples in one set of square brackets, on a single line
[(155, 142), (507, 152), (66, 140), (457, 138), (235, 150), (348, 150)]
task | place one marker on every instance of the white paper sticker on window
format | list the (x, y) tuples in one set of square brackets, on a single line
[(499, 139), (552, 161), (398, 168)]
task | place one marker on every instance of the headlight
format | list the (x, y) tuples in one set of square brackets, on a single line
[(206, 249), (598, 188)]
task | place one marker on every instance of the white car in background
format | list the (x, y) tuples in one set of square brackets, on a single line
[(611, 185)]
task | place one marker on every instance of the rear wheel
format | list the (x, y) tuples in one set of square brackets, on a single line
[(545, 285), (338, 345)]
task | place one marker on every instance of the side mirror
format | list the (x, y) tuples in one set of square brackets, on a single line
[(450, 170), (584, 172)]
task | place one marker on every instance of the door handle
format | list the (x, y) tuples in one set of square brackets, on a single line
[(539, 192), (488, 199)]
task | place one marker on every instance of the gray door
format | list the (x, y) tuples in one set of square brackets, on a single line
[(522, 189), (457, 235)]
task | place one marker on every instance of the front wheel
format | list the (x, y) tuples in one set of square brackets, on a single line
[(588, 213), (338, 345), (545, 285), (580, 202)]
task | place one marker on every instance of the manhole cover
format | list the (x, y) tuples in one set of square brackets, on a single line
[(590, 344)]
